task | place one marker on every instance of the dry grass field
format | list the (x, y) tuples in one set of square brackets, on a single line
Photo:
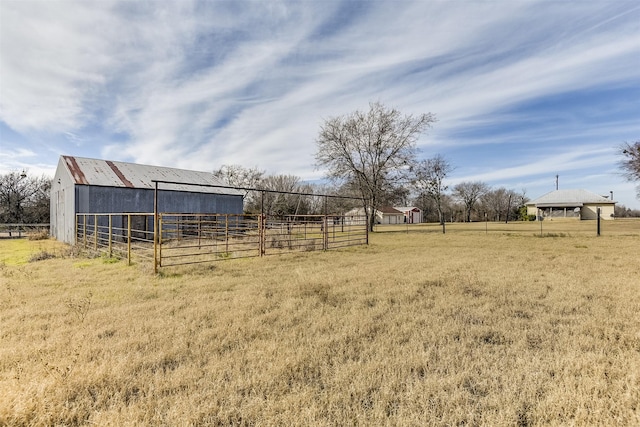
[(496, 327)]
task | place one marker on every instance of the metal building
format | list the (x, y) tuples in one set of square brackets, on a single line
[(83, 185)]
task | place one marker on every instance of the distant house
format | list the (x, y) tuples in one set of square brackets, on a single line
[(384, 215), (412, 215), (82, 185), (389, 215), (576, 204)]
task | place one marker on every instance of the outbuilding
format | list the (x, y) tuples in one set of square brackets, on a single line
[(384, 215), (412, 214), (83, 185), (576, 204)]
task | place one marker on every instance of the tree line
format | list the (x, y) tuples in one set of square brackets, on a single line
[(468, 201), (369, 155), (24, 199)]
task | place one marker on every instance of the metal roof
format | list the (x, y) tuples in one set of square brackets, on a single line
[(569, 198), (108, 173)]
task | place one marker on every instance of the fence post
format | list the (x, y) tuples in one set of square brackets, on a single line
[(159, 240), (333, 227), (226, 233), (261, 233), (84, 230), (155, 229), (540, 220), (129, 239), (110, 230), (325, 237), (95, 232)]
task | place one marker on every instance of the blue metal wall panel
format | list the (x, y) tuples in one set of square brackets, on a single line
[(94, 199)]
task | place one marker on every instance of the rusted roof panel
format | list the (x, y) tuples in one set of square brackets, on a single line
[(119, 174), (75, 170), (122, 174)]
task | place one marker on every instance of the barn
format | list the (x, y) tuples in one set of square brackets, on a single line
[(83, 185), (576, 204)]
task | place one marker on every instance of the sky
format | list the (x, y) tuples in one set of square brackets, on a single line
[(522, 90)]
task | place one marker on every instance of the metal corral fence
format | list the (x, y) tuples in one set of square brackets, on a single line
[(197, 238), (122, 234)]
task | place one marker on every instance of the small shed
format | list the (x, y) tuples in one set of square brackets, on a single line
[(83, 185), (576, 204), (384, 215), (389, 215), (412, 215)]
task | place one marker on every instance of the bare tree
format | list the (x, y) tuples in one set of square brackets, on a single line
[(24, 199), (239, 176), (499, 203), (370, 149), (277, 198), (468, 193), (429, 179), (319, 204), (630, 163), (395, 196)]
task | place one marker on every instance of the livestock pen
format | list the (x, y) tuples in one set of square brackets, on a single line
[(195, 238)]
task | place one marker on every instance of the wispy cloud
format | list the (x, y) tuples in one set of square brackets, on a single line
[(198, 84)]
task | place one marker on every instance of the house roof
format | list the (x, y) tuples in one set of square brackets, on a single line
[(106, 173), (407, 208), (389, 210), (569, 198)]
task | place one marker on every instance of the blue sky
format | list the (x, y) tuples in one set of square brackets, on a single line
[(523, 90)]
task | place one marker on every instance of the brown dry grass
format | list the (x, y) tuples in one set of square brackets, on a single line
[(466, 328)]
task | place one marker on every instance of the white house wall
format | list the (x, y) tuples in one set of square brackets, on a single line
[(590, 211)]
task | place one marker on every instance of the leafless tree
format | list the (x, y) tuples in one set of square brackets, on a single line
[(395, 196), (630, 162), (370, 149), (24, 199), (499, 202), (430, 175), (468, 193), (240, 176), (277, 198), (319, 204)]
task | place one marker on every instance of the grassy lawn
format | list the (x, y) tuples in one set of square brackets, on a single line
[(489, 324)]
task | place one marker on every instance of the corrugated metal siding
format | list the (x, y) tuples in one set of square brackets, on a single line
[(62, 206), (97, 199)]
